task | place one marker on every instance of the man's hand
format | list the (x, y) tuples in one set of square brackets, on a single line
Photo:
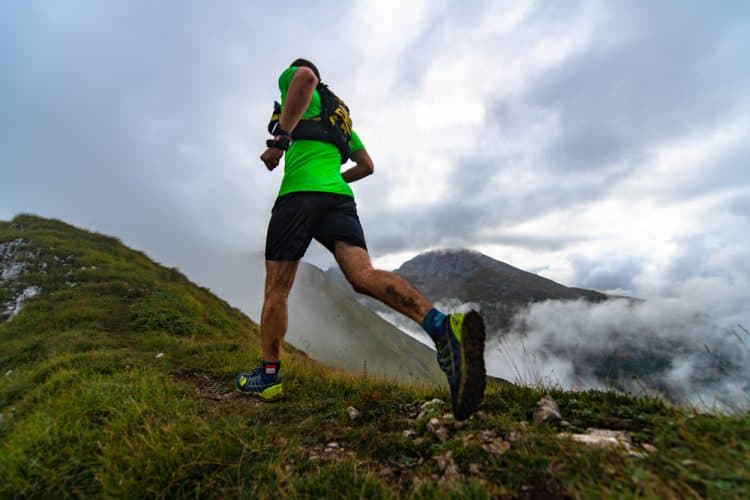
[(271, 157), (363, 167)]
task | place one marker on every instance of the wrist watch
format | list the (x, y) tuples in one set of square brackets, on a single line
[(281, 138)]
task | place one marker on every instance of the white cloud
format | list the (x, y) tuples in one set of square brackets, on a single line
[(429, 126), (666, 346)]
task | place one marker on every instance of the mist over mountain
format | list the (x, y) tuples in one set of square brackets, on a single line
[(453, 278), (330, 327), (539, 331), (542, 332), (500, 290), (666, 347), (327, 322), (458, 279)]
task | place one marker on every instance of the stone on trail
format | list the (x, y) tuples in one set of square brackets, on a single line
[(547, 411)]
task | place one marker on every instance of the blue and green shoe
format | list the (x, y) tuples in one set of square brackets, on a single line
[(260, 385), (460, 353)]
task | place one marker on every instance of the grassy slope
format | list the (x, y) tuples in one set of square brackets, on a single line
[(88, 409)]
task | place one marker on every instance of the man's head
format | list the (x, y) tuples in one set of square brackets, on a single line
[(306, 64)]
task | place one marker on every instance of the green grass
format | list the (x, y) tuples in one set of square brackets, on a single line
[(89, 411)]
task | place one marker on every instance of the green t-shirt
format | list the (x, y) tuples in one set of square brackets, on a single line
[(313, 165)]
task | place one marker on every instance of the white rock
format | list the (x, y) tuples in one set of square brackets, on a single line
[(9, 268), (604, 438), (14, 308), (607, 433), (600, 441), (433, 424), (430, 409), (497, 446), (649, 448), (514, 436), (487, 435), (434, 403), (12, 270), (8, 249), (547, 410), (442, 434), (448, 466), (353, 413)]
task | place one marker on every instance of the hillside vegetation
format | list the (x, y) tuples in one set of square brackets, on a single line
[(116, 381)]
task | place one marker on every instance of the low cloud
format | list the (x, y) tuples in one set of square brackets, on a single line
[(664, 347)]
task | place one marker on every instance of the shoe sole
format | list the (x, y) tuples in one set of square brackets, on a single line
[(474, 375), (270, 395)]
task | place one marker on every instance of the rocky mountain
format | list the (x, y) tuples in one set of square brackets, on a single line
[(465, 276), (498, 288)]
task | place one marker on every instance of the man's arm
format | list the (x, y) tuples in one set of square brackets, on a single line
[(298, 98), (362, 168)]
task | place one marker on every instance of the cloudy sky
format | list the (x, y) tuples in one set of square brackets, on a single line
[(601, 144)]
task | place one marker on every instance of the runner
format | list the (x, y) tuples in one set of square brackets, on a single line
[(313, 129)]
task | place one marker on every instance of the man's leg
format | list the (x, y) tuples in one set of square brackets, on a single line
[(274, 318), (387, 287), (265, 382), (459, 338)]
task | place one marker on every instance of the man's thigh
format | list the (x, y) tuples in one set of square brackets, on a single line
[(352, 260)]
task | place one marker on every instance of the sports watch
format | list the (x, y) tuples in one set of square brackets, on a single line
[(281, 138)]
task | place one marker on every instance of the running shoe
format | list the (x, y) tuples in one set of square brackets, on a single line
[(259, 385), (460, 353)]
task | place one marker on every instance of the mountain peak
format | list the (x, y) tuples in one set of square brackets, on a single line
[(457, 259), (498, 288)]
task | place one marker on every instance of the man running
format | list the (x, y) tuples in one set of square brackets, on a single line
[(315, 201)]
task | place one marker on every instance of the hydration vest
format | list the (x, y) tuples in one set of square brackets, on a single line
[(332, 125)]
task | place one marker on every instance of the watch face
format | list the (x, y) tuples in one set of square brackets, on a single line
[(280, 141)]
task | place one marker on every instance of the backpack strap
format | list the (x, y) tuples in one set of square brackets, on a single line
[(332, 125)]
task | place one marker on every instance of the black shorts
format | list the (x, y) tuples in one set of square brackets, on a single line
[(299, 217)]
